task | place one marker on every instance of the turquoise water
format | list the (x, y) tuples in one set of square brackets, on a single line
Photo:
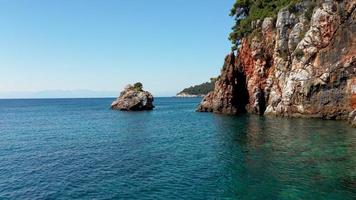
[(80, 149)]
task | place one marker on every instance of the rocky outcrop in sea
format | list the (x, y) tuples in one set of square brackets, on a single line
[(293, 66), (133, 98)]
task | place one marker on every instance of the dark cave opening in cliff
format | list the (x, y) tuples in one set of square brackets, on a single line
[(240, 93)]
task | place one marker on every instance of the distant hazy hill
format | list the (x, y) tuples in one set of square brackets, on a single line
[(57, 94), (198, 90)]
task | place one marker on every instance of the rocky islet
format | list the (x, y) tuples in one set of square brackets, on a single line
[(133, 98)]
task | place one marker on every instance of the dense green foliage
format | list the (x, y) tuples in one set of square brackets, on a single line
[(247, 11), (201, 89), (138, 86)]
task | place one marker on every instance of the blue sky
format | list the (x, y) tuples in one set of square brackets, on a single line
[(102, 45)]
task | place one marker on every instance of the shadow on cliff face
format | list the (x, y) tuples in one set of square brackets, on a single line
[(261, 103), (240, 93)]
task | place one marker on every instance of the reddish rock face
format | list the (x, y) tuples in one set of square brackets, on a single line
[(298, 67), (351, 87), (230, 95)]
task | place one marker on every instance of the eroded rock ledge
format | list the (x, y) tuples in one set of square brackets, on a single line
[(293, 66), (133, 98)]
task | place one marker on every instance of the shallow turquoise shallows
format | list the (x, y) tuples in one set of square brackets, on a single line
[(80, 149)]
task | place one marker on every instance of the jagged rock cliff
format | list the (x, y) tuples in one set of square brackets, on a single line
[(229, 95), (293, 65)]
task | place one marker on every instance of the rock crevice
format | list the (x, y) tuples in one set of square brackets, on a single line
[(228, 97)]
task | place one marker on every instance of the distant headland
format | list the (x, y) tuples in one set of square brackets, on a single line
[(198, 90)]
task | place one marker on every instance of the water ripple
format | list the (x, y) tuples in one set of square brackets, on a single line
[(79, 149)]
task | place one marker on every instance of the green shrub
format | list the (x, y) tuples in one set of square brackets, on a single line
[(299, 54), (257, 33), (138, 86), (310, 9)]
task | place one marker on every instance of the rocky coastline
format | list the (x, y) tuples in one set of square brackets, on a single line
[(187, 95), (293, 65)]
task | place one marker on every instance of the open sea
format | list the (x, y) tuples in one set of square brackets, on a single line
[(80, 149)]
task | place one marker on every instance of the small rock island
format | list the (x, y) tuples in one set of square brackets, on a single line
[(133, 98)]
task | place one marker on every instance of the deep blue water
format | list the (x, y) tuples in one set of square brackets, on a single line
[(80, 149)]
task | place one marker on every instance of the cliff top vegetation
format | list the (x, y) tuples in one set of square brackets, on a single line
[(247, 11)]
